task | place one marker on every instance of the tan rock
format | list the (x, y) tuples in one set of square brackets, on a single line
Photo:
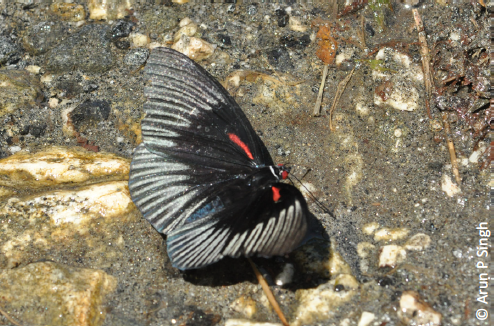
[(245, 305), (54, 294), (386, 234), (61, 165), (414, 311), (193, 47), (418, 242), (108, 9), (321, 303), (391, 255)]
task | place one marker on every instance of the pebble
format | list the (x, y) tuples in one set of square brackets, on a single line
[(193, 47), (45, 292), (18, 89), (87, 49), (414, 311), (280, 59), (366, 318), (139, 40), (245, 305), (295, 24), (448, 186), (108, 9), (418, 242), (391, 255), (386, 234)]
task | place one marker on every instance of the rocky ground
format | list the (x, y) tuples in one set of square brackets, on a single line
[(405, 244)]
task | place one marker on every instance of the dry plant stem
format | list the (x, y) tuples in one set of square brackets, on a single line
[(451, 148), (9, 318), (317, 107), (361, 32), (339, 91), (268, 293), (424, 52)]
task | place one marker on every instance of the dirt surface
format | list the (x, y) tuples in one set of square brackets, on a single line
[(380, 164)]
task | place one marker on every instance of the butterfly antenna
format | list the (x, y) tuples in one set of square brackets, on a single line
[(269, 293), (311, 195)]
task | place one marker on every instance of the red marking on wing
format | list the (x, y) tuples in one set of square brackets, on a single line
[(276, 194), (284, 175), (234, 138)]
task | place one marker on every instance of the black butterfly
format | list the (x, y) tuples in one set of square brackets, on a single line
[(203, 177)]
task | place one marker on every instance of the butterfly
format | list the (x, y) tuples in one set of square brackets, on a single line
[(203, 177)]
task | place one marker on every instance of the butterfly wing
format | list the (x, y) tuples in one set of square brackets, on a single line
[(194, 176), (190, 115)]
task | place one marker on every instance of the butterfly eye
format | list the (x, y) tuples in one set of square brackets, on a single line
[(284, 175)]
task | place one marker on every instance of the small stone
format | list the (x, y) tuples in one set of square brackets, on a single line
[(245, 305), (71, 12), (286, 276), (189, 30), (386, 234), (448, 186), (18, 89), (122, 28), (195, 48), (296, 25), (398, 133), (136, 57), (366, 318), (418, 242), (33, 69), (53, 102), (60, 165), (108, 9), (414, 311), (369, 228), (41, 293), (139, 40), (391, 255), (282, 17)]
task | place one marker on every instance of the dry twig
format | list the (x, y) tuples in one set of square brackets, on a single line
[(339, 91), (424, 52), (317, 107), (12, 320), (268, 293), (451, 148)]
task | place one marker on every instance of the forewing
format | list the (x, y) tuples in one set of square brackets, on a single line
[(191, 116), (257, 225)]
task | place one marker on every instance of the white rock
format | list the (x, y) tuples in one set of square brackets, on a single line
[(286, 276), (366, 318), (108, 9), (474, 157), (391, 255), (418, 242), (414, 311), (33, 69), (193, 47), (369, 228), (53, 102), (448, 186), (296, 25), (139, 40), (386, 234)]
